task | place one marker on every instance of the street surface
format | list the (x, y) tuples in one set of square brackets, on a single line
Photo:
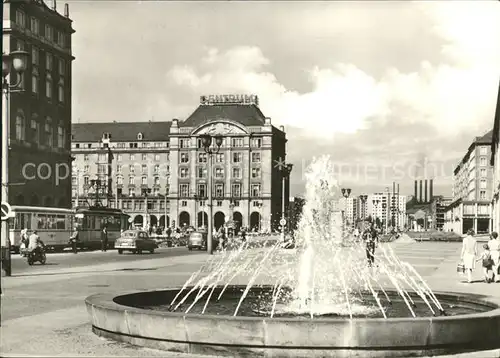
[(44, 306)]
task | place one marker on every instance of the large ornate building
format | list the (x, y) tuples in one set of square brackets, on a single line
[(472, 189), (495, 162), (40, 116), (159, 169)]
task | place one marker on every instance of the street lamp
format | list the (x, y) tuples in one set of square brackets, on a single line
[(285, 169), (146, 193), (17, 60), (206, 141), (346, 192)]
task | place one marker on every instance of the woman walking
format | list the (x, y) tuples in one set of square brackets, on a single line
[(494, 246), (469, 253)]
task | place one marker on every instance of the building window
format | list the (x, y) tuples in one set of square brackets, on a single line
[(34, 83), (483, 173), (483, 150), (184, 157), (237, 142), (255, 173), (202, 157), (101, 169), (49, 32), (131, 180), (202, 172), (236, 173), (119, 180), (156, 169), (49, 138), (86, 157), (35, 25), (119, 157), (131, 168), (482, 161), (482, 184), (256, 142), (101, 157), (219, 158), (236, 190), (132, 157), (219, 173), (35, 130), (184, 143), (119, 168), (157, 181), (49, 61), (255, 157), (61, 65), (219, 190), (202, 190), (60, 92), (237, 157), (144, 180), (144, 157), (61, 39), (482, 195), (35, 55), (184, 173), (255, 190), (157, 157), (20, 18), (144, 168), (219, 203), (86, 180), (184, 190), (48, 87), (20, 127), (131, 191)]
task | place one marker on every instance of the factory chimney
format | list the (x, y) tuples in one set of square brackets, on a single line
[(425, 192), (431, 189), (420, 196), (416, 191)]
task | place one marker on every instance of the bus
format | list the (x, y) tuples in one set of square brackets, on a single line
[(55, 225)]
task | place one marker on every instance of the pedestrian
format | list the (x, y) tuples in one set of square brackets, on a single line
[(487, 263), (104, 239), (370, 236), (469, 253), (494, 246), (73, 240)]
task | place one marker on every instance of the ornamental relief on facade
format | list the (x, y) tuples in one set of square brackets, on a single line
[(219, 128)]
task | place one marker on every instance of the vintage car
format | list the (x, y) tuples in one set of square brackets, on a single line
[(198, 240), (136, 241)]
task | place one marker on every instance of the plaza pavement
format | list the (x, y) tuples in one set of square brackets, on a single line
[(45, 315)]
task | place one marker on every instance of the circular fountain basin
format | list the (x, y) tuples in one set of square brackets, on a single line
[(471, 323)]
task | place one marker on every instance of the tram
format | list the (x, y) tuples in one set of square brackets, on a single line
[(55, 225)]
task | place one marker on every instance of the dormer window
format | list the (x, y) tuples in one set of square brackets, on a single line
[(139, 136), (106, 136)]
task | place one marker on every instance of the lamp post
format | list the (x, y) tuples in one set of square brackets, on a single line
[(146, 192), (285, 169), (16, 61), (346, 192), (206, 140)]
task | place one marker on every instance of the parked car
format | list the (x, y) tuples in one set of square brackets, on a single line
[(135, 241), (198, 240)]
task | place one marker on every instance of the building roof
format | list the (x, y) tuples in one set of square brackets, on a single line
[(123, 131), (485, 139), (496, 129), (247, 115)]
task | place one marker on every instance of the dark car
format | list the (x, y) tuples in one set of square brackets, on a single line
[(136, 241), (198, 240)]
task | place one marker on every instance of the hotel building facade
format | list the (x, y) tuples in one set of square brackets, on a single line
[(158, 170), (40, 115), (472, 189)]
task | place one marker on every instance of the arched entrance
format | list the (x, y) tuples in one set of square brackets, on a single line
[(20, 199), (202, 219), (34, 200), (219, 219), (48, 202), (153, 220), (139, 220), (255, 221), (184, 219), (162, 221), (238, 218)]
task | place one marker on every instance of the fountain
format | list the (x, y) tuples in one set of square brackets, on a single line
[(321, 299)]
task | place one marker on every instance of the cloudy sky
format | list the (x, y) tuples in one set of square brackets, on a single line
[(379, 86)]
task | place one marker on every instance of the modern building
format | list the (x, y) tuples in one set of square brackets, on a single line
[(387, 207), (495, 162), (472, 189), (40, 116), (165, 165), (351, 211)]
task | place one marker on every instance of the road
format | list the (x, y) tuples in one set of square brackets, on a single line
[(67, 260)]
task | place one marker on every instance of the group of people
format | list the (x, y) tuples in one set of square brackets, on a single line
[(489, 258), (30, 242)]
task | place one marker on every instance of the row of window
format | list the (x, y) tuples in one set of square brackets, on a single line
[(237, 157), (38, 136), (119, 157), (33, 24), (237, 142), (49, 58), (255, 190), (122, 145), (49, 87)]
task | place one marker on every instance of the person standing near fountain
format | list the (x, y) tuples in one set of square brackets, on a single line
[(494, 246), (469, 253), (370, 236)]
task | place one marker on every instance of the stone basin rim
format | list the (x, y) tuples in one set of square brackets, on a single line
[(106, 301)]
